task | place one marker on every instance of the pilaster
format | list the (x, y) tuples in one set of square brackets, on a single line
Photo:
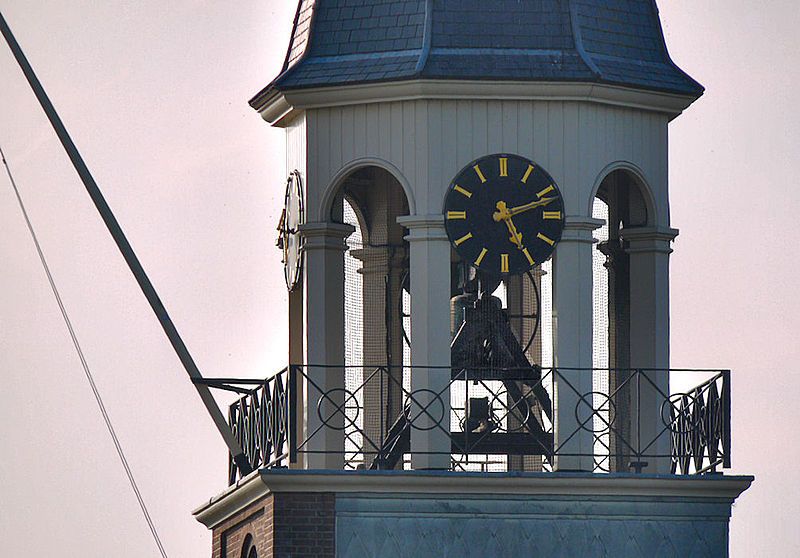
[(572, 338), (430, 340), (649, 250), (323, 249)]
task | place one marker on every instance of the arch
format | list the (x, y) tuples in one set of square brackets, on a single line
[(639, 178), (249, 547), (343, 173)]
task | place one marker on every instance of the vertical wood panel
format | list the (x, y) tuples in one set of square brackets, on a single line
[(463, 135), (435, 154), (450, 147), (510, 137), (525, 130), (494, 111), (541, 152), (360, 130), (336, 139), (572, 156), (384, 130), (479, 128), (409, 144), (421, 157), (396, 132), (348, 135), (373, 128)]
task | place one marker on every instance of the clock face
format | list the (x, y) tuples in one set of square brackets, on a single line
[(504, 214), (289, 240)]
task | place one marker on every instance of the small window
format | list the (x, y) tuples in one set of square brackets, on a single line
[(249, 548)]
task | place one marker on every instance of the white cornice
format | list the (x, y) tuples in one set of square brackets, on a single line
[(237, 497), (568, 485), (278, 107)]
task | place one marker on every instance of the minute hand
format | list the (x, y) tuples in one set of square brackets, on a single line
[(522, 208)]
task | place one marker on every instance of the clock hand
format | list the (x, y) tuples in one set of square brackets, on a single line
[(502, 214), (537, 203)]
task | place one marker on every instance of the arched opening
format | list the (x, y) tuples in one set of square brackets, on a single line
[(377, 306), (623, 202), (249, 549)]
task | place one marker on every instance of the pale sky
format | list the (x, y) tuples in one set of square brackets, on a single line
[(155, 97)]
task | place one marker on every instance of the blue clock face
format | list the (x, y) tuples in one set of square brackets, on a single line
[(504, 214)]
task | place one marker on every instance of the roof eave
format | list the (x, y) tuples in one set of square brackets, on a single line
[(278, 106)]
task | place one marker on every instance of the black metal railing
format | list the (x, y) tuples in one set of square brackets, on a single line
[(495, 419), (260, 421)]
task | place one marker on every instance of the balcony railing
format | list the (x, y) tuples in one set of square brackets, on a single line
[(496, 419)]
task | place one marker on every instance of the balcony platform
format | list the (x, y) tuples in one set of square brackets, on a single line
[(443, 513)]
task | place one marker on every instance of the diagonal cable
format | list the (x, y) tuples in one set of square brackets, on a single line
[(84, 363)]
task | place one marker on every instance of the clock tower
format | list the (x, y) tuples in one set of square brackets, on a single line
[(476, 239)]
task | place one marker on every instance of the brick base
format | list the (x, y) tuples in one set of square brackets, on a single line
[(283, 525)]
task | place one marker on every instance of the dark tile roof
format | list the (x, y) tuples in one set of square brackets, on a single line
[(341, 42)]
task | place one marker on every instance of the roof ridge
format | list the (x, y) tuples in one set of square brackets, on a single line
[(578, 38), (293, 36), (427, 33)]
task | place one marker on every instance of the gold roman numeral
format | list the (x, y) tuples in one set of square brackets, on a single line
[(551, 214), (462, 191), (550, 241), (456, 215), (528, 255), (503, 263), (527, 174), (463, 239), (545, 191), (479, 173), (503, 166), (480, 257)]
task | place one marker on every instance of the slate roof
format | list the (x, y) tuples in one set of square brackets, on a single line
[(343, 42)]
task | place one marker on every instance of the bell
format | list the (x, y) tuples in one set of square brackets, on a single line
[(479, 415)]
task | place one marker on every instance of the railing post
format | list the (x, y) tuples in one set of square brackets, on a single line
[(726, 417), (293, 427)]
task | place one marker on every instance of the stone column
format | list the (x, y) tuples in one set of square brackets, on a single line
[(572, 339), (324, 247), (649, 250), (430, 341)]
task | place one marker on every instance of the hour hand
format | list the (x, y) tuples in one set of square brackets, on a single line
[(503, 214)]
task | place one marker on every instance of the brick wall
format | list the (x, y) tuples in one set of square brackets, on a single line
[(304, 525), (283, 525)]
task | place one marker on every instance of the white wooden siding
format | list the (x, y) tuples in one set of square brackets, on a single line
[(429, 141)]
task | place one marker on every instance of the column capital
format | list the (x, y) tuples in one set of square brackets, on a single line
[(324, 235), (579, 228), (423, 227), (649, 239)]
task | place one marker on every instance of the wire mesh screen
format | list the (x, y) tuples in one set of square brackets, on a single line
[(600, 383), (377, 306), (354, 336)]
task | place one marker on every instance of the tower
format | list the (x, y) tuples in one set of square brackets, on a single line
[(442, 393)]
